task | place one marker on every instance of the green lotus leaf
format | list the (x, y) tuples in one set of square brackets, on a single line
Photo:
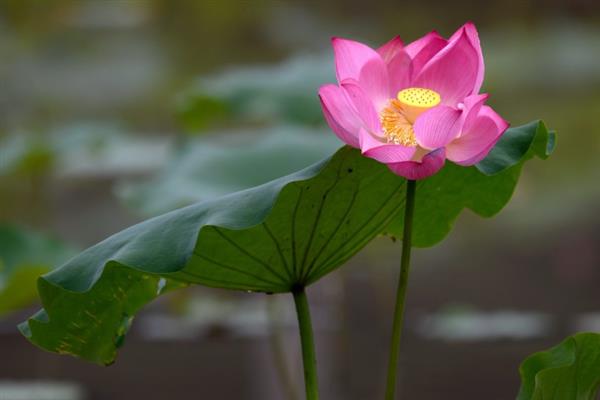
[(288, 232), (484, 188), (569, 371)]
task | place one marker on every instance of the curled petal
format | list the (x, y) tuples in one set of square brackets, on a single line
[(473, 36), (478, 139), (472, 105), (453, 71), (340, 114), (354, 60), (437, 127), (415, 170), (375, 147)]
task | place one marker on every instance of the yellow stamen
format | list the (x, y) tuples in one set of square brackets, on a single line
[(398, 117), (396, 127)]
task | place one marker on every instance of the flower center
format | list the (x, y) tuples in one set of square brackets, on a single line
[(419, 97), (398, 117)]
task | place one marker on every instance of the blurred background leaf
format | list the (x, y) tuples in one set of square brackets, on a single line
[(24, 256), (258, 95), (218, 164), (81, 150)]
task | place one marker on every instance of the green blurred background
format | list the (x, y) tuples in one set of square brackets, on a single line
[(112, 111)]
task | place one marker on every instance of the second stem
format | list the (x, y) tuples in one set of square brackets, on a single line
[(409, 207)]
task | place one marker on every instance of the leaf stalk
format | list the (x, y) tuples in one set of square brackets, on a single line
[(307, 342)]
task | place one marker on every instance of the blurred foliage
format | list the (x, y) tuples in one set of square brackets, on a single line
[(281, 100), (78, 149), (215, 165), (199, 111), (284, 93), (26, 155), (35, 16), (24, 256), (33, 167)]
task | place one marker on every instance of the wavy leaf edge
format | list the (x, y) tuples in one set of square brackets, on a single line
[(502, 166), (541, 144), (562, 356), (123, 256)]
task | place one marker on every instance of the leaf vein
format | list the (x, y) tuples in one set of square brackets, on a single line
[(226, 283), (328, 261), (231, 268), (279, 251), (294, 215), (333, 234), (252, 256)]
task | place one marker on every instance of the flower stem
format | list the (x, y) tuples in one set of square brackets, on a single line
[(409, 207), (308, 343)]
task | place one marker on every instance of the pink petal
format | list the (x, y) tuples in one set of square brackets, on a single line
[(340, 114), (473, 35), (415, 47), (350, 57), (437, 127), (354, 60), (389, 50), (374, 80), (434, 45), (375, 147), (453, 71), (478, 139), (363, 105), (472, 104), (400, 71), (414, 170)]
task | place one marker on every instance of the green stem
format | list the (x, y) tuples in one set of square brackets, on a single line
[(409, 207), (308, 344)]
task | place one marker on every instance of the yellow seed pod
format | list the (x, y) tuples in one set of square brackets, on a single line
[(415, 101)]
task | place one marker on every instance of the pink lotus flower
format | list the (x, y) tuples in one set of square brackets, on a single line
[(413, 106)]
